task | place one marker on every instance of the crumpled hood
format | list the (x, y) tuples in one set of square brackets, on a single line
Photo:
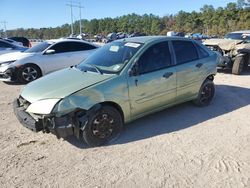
[(61, 84), (243, 46), (224, 44), (14, 56)]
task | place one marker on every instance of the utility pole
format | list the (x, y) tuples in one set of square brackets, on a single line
[(77, 5), (5, 31), (80, 12), (71, 12)]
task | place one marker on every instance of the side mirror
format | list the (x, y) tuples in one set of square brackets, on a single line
[(134, 70), (50, 52)]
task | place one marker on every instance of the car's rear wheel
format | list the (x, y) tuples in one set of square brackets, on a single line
[(103, 126), (28, 73), (238, 65), (206, 94)]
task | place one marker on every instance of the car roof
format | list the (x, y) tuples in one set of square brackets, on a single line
[(3, 40), (148, 39), (242, 31), (9, 40), (16, 46), (70, 40)]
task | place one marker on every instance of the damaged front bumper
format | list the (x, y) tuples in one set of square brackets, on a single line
[(25, 119), (8, 75), (67, 125)]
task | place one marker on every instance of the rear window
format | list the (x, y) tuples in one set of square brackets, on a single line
[(79, 46), (185, 51)]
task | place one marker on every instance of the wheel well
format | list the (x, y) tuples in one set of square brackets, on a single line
[(247, 60), (116, 106), (210, 77), (34, 66)]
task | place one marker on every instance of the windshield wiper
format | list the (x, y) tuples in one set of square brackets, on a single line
[(96, 68)]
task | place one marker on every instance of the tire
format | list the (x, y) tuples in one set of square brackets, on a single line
[(28, 73), (246, 61), (238, 64), (99, 129), (206, 94)]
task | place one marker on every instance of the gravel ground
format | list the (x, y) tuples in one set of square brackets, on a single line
[(183, 146)]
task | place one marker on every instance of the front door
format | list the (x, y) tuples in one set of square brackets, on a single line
[(58, 60), (154, 85), (67, 53)]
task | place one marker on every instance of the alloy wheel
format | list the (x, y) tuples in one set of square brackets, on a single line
[(29, 74)]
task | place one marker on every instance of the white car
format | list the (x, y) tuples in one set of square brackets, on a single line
[(7, 47), (44, 58)]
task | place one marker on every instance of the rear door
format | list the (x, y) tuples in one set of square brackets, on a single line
[(189, 69), (155, 84), (81, 51)]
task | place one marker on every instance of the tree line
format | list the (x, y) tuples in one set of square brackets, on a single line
[(211, 21)]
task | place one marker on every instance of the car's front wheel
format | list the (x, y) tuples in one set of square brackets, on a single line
[(206, 93), (103, 126), (28, 73)]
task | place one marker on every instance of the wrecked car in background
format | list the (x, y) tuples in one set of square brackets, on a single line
[(235, 49), (122, 81)]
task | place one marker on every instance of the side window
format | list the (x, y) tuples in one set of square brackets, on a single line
[(202, 52), (185, 51), (78, 46), (71, 47), (155, 58), (5, 45), (61, 47)]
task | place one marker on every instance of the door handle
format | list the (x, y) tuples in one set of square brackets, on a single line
[(199, 65), (167, 75)]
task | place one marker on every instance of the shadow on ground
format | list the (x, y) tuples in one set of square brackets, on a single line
[(227, 99), (14, 83), (229, 71)]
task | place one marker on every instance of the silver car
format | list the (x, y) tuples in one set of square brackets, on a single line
[(44, 58)]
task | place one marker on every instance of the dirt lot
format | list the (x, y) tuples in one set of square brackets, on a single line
[(183, 146)]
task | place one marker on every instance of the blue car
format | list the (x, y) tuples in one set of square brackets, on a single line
[(7, 47)]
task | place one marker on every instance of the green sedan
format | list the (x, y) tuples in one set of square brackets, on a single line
[(122, 81)]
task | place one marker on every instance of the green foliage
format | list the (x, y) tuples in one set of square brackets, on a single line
[(208, 21)]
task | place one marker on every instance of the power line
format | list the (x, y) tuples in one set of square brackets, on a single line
[(71, 13), (80, 12)]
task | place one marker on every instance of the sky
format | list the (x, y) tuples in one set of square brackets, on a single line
[(53, 13)]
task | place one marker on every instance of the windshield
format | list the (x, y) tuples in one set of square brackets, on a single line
[(238, 36), (110, 58), (39, 47)]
